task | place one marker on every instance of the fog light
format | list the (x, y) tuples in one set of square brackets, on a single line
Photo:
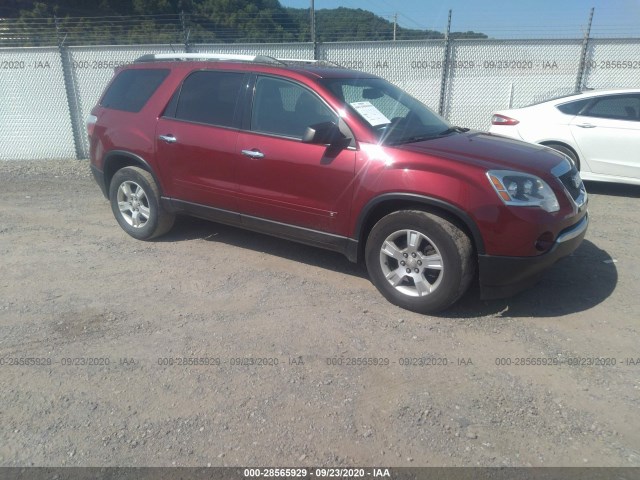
[(544, 242)]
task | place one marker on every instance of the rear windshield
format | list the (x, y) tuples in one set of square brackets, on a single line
[(131, 89)]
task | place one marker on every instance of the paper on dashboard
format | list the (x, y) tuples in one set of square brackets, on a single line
[(370, 113)]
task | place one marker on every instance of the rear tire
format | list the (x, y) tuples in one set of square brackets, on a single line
[(419, 260), (135, 202)]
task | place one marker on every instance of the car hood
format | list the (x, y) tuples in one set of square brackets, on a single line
[(489, 151)]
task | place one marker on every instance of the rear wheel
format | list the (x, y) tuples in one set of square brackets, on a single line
[(567, 151), (135, 202), (419, 261)]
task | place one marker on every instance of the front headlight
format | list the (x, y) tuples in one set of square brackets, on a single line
[(523, 190)]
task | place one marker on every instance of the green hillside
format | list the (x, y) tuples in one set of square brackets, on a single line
[(174, 21)]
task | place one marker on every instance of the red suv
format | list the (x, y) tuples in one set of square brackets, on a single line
[(338, 159)]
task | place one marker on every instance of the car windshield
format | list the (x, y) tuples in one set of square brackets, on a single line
[(392, 114)]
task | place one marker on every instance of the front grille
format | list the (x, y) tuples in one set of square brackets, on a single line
[(573, 183)]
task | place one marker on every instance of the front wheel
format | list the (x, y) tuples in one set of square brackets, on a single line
[(419, 261), (135, 202)]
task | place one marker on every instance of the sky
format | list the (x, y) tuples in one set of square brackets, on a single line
[(501, 18)]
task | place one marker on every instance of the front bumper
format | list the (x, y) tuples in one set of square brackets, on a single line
[(505, 276)]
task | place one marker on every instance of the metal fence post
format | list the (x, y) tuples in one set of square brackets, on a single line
[(583, 55), (445, 67), (73, 104)]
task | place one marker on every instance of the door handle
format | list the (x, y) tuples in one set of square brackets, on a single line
[(253, 153), (585, 125), (168, 138)]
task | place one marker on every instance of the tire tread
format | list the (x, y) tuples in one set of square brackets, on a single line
[(464, 250)]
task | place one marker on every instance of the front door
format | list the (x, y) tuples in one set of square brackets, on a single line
[(283, 179)]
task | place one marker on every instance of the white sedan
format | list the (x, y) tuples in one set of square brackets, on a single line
[(598, 130)]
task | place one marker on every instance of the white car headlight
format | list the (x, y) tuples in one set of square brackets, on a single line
[(523, 190)]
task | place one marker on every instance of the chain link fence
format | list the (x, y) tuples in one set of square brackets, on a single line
[(46, 93)]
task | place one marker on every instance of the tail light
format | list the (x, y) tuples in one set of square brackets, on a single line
[(498, 119), (91, 122)]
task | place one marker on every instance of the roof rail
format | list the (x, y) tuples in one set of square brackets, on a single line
[(157, 57), (304, 61)]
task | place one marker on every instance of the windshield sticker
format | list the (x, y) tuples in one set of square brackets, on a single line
[(370, 113)]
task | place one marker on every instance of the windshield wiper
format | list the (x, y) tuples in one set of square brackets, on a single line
[(423, 137), (413, 139), (454, 130)]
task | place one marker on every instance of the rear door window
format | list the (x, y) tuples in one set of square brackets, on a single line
[(131, 89), (616, 107), (210, 97)]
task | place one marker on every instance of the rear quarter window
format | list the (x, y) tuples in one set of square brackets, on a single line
[(131, 89), (573, 108)]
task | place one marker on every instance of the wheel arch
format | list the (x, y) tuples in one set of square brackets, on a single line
[(385, 204), (118, 159), (549, 143)]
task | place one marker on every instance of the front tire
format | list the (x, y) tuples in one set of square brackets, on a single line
[(135, 202), (419, 261)]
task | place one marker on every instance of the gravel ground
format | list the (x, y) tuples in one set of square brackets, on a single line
[(74, 286)]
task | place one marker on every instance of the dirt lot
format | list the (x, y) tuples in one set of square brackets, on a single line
[(74, 286)]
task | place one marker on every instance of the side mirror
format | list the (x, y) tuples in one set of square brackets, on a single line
[(325, 133)]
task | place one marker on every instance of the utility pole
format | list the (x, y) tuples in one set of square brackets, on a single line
[(313, 31), (313, 23), (395, 23), (185, 32)]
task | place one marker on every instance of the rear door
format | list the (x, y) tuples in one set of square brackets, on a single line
[(283, 179), (608, 135), (196, 138)]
